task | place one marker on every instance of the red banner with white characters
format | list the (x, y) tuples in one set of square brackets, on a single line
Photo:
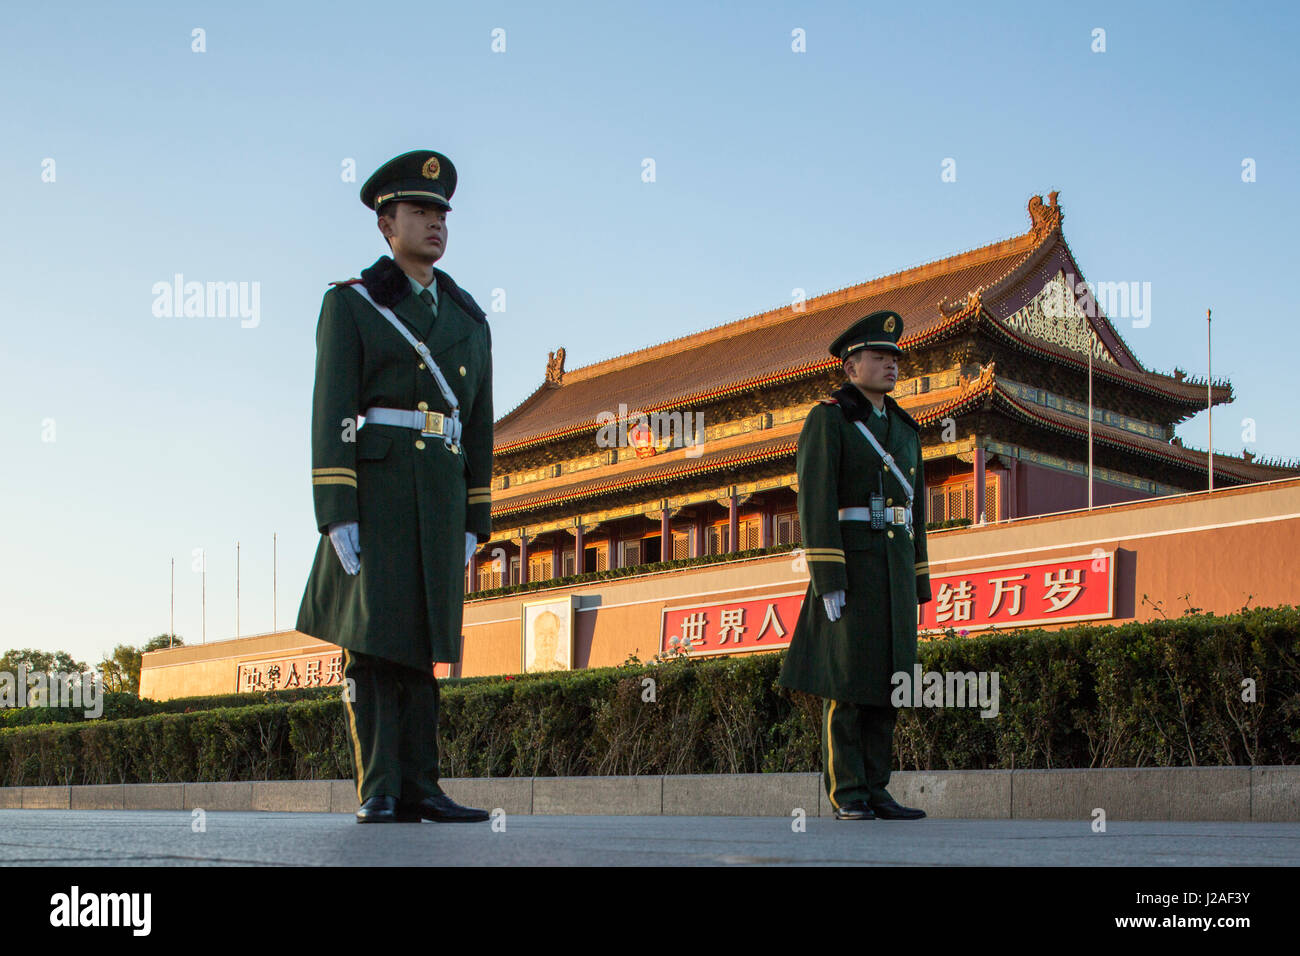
[(1063, 589), (725, 627), (1015, 595)]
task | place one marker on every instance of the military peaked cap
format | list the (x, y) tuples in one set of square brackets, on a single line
[(418, 176), (879, 330)]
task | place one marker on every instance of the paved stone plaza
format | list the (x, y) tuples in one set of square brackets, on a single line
[(167, 838)]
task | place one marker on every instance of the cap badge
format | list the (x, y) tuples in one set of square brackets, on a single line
[(430, 169), (889, 324)]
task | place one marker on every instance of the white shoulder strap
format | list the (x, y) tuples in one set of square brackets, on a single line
[(889, 459), (416, 344)]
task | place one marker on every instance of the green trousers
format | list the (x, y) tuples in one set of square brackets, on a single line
[(393, 725), (857, 747)]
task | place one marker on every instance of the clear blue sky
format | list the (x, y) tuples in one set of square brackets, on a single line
[(775, 170)]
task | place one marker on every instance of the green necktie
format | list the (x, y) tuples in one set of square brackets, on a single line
[(879, 426), (427, 298)]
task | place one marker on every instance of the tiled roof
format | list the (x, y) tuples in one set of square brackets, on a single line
[(936, 300), (927, 409), (959, 400), (776, 344), (661, 468)]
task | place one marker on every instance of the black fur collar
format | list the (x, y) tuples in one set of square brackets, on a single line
[(388, 285), (857, 406)]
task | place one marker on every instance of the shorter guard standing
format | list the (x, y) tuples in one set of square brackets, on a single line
[(862, 516)]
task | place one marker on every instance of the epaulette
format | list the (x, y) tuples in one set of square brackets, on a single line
[(346, 282), (830, 401)]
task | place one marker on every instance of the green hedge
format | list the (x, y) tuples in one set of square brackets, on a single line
[(1158, 693)]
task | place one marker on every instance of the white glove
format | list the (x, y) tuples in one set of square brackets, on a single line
[(346, 539), (471, 545), (834, 602)]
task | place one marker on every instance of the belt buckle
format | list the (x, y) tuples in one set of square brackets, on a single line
[(432, 423), (899, 514)]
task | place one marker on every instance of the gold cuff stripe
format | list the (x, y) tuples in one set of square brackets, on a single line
[(334, 480), (480, 490), (836, 558), (823, 550), (480, 500), (334, 471)]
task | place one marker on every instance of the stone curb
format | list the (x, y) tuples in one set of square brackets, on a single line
[(1263, 794)]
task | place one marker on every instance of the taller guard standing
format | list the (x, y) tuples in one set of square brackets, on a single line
[(862, 516), (402, 501)]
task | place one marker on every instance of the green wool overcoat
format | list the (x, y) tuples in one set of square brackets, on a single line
[(884, 574), (413, 498)]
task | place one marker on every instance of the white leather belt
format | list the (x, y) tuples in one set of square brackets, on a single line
[(428, 423), (896, 514)]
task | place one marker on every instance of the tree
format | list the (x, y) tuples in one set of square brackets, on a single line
[(121, 669), (34, 661)]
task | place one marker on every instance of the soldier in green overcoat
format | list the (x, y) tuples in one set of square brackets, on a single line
[(857, 627), (401, 501)]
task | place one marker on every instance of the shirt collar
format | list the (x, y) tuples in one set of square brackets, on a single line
[(432, 287)]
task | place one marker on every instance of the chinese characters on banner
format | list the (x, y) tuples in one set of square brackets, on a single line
[(320, 670), (1064, 589), (726, 627), (1076, 589)]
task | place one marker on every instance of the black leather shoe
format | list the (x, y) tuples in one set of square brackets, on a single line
[(380, 809), (854, 810), (891, 810), (442, 809)]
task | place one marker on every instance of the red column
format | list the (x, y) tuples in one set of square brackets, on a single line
[(665, 536), (523, 556), (733, 522), (979, 480), (578, 566)]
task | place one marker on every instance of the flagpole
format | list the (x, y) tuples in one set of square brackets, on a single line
[(1209, 395), (1087, 345)]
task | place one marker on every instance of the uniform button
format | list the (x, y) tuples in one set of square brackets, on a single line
[(889, 533), (419, 443), (421, 365), (889, 501), (911, 471), (423, 406), (462, 370)]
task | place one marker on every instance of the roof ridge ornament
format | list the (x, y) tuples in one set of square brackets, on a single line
[(555, 368), (1045, 218)]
